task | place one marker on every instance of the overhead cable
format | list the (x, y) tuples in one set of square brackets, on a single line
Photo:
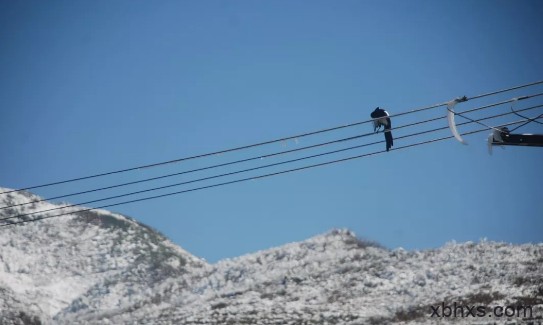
[(262, 143), (276, 153), (255, 168), (251, 178)]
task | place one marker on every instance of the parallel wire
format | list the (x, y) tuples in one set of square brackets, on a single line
[(252, 178), (281, 152), (528, 121), (256, 168), (263, 143), (505, 90)]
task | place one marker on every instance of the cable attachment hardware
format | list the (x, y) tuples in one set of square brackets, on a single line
[(496, 138), (450, 117)]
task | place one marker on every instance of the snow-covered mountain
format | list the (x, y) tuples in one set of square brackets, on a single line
[(80, 264), (102, 268)]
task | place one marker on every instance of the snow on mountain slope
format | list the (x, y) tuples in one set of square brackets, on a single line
[(58, 263), (103, 268), (338, 279)]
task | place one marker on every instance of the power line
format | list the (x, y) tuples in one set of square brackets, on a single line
[(528, 121), (506, 90), (269, 155), (278, 153), (256, 168), (262, 143), (253, 178)]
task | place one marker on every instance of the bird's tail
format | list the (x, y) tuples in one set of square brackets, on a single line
[(389, 140)]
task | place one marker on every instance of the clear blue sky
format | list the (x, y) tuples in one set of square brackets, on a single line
[(94, 86)]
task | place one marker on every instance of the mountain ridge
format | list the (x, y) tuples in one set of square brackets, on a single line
[(101, 267), (55, 262)]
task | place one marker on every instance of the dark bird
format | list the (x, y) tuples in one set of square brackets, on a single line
[(382, 118)]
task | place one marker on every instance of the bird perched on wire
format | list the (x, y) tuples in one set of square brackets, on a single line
[(382, 118)]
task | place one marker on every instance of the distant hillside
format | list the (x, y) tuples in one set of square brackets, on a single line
[(81, 264), (100, 268)]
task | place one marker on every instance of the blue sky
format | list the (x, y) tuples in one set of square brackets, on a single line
[(94, 86)]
